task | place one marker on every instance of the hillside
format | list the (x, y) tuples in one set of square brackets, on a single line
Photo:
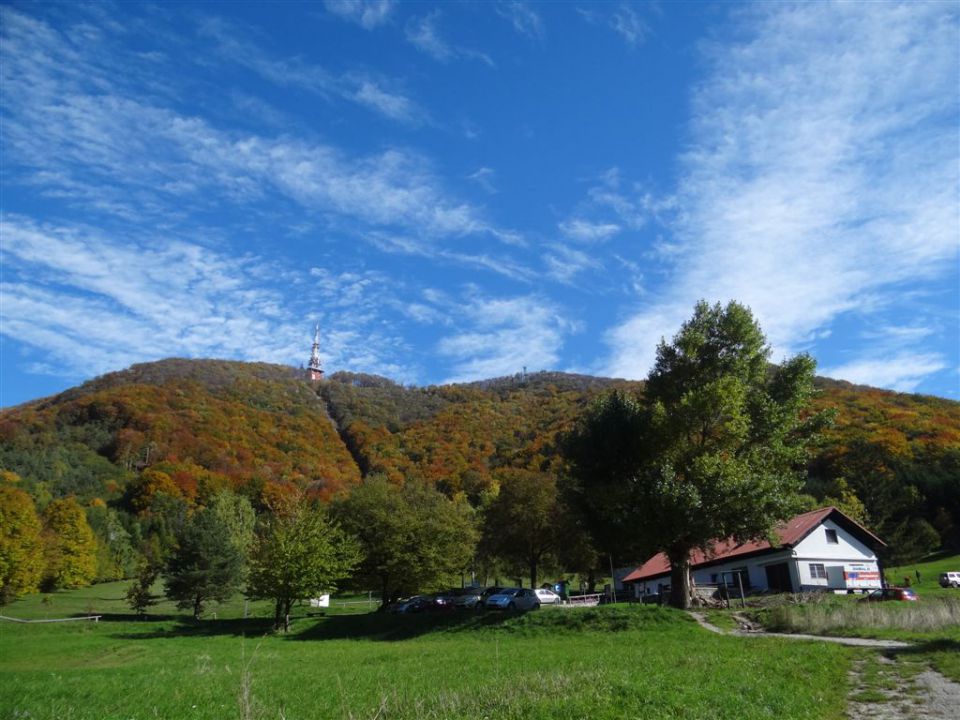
[(186, 427)]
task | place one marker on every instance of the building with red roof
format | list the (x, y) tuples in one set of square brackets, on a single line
[(818, 550)]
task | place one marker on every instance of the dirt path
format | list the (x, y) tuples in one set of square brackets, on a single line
[(754, 631), (882, 688)]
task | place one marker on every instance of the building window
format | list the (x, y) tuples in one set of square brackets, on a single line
[(818, 571), (832, 537)]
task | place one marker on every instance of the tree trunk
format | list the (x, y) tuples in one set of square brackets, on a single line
[(680, 579), (533, 573), (197, 607), (277, 614)]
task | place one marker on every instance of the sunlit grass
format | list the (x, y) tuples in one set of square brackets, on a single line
[(616, 662)]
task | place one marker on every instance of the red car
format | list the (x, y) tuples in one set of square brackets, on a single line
[(892, 593)]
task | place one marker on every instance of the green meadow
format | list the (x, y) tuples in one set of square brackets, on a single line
[(610, 662)]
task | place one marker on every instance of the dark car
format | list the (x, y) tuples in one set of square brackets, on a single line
[(482, 602), (892, 593)]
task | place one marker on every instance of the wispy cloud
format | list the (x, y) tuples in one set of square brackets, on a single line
[(361, 88), (90, 303), (902, 372), (423, 33), (507, 334), (622, 19), (823, 174), (524, 19), (368, 14), (627, 23), (565, 263), (94, 304), (484, 178), (587, 231), (81, 139)]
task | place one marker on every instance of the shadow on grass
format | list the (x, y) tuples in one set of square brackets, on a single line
[(384, 627), (926, 646), (390, 628), (156, 627)]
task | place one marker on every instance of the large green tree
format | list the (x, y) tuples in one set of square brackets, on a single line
[(413, 537), (205, 566), (716, 447), (299, 553)]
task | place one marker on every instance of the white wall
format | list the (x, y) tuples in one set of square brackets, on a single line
[(848, 553), (815, 545)]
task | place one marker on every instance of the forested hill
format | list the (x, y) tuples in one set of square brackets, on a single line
[(183, 428)]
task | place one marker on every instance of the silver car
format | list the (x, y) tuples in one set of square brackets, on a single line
[(548, 597), (514, 599)]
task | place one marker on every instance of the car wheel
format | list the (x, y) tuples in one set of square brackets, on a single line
[(512, 606), (536, 606), (954, 585)]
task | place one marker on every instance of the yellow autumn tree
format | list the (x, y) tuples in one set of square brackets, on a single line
[(70, 545), (21, 549)]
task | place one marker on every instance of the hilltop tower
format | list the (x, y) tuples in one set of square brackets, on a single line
[(315, 369)]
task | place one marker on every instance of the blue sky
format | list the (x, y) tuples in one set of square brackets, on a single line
[(456, 191)]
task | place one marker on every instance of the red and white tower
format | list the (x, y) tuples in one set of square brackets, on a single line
[(315, 369)]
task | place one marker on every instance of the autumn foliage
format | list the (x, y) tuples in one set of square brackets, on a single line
[(142, 450)]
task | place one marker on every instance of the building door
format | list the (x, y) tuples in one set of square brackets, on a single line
[(778, 577)]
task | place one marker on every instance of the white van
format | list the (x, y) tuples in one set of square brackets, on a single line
[(950, 579)]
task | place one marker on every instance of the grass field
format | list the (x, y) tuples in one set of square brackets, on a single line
[(930, 570), (610, 662), (932, 623)]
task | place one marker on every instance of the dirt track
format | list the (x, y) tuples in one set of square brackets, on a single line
[(926, 695)]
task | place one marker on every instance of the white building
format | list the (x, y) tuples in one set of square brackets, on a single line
[(819, 550)]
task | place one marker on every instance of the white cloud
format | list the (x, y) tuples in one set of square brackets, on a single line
[(587, 231), (564, 263), (484, 178), (626, 23), (368, 14), (80, 138), (423, 34), (902, 372), (92, 304), (823, 173), (360, 88), (524, 19), (507, 335)]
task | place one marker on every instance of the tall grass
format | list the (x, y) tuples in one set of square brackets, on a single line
[(830, 618)]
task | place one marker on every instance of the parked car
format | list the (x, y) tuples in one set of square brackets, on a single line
[(548, 597), (513, 599), (950, 579), (468, 598), (415, 604), (891, 593), (460, 597), (486, 593)]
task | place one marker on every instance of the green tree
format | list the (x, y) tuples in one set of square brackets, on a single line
[(298, 554), (525, 522), (21, 547), (116, 557), (413, 537), (715, 449), (140, 595), (206, 566), (236, 514), (70, 545)]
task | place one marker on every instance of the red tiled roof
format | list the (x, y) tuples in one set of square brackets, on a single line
[(789, 533)]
